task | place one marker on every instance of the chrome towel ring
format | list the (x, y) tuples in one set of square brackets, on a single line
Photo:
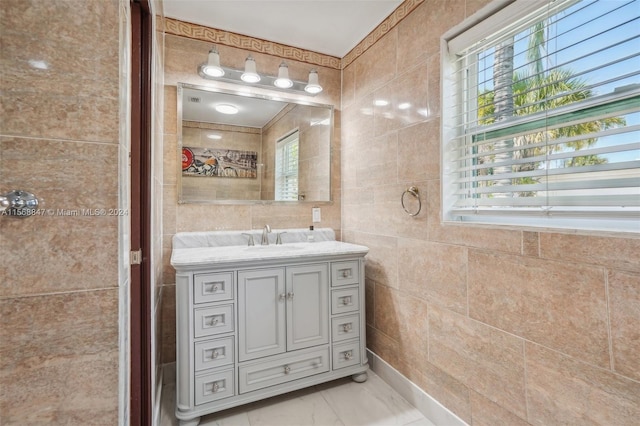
[(413, 191)]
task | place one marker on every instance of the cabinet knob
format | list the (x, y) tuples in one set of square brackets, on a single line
[(214, 321), (216, 387), (287, 369), (346, 327), (348, 355), (215, 354), (283, 296), (346, 300), (346, 273), (290, 296)]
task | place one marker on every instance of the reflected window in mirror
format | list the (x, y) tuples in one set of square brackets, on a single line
[(287, 164)]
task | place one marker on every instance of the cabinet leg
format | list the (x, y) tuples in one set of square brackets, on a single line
[(360, 377), (192, 422)]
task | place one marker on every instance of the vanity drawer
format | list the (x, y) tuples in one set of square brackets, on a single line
[(345, 300), (213, 353), (345, 273), (346, 354), (214, 386), (212, 287), (212, 320), (345, 328), (283, 369)]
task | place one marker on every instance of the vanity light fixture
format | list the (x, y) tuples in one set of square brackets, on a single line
[(212, 70), (212, 67)]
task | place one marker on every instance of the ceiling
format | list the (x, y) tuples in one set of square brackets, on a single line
[(332, 27), (198, 105)]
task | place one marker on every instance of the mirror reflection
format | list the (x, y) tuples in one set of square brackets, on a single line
[(239, 147)]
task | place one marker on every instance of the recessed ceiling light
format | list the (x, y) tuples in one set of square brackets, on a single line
[(226, 109)]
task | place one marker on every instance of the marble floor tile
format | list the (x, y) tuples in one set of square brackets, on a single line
[(337, 403)]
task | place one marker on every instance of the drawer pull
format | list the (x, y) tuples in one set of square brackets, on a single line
[(348, 355), (216, 388), (346, 327), (215, 354), (346, 300), (214, 321), (283, 296), (287, 369), (290, 296), (346, 273)]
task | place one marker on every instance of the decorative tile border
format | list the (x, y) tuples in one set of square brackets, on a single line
[(199, 32), (405, 8), (202, 33)]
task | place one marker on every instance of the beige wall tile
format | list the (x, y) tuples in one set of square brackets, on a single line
[(434, 272), (40, 329), (406, 97), (419, 152), (555, 304), (415, 40), (64, 175), (486, 360), (376, 66), (378, 163), (348, 86), (58, 254), (624, 308), (444, 388), (382, 260), (485, 412), (69, 390), (561, 390), (619, 253), (383, 346)]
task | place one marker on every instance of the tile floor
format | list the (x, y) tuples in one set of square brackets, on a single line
[(337, 403)]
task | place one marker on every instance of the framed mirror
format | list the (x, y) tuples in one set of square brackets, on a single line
[(247, 148)]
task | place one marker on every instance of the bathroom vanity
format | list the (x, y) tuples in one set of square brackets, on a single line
[(258, 321)]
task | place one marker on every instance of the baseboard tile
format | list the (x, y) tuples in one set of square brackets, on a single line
[(425, 403)]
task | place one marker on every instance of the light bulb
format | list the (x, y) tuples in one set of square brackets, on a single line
[(283, 80), (212, 68), (250, 74), (313, 86)]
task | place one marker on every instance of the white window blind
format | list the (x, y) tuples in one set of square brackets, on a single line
[(287, 167), (541, 117)]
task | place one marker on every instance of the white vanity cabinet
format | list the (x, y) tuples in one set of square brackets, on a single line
[(260, 325)]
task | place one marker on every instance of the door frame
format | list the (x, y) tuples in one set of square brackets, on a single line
[(141, 393)]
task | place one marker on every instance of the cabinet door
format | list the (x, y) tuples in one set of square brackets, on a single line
[(307, 306), (261, 313)]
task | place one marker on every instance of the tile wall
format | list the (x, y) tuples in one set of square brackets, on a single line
[(503, 327), (59, 277)]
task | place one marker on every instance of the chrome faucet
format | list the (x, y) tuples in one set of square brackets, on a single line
[(265, 235)]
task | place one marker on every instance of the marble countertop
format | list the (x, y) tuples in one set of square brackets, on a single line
[(201, 256)]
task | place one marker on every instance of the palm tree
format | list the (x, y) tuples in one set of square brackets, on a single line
[(533, 91)]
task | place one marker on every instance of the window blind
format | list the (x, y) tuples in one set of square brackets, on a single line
[(287, 149), (543, 116)]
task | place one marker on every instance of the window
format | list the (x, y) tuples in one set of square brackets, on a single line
[(541, 116), (287, 167)]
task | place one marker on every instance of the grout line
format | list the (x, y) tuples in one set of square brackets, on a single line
[(526, 393), (609, 333)]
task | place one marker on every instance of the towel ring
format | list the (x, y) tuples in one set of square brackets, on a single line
[(413, 191)]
